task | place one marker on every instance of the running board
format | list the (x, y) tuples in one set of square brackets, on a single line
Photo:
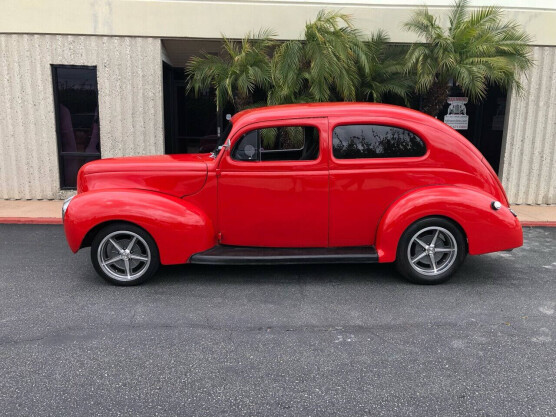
[(244, 255)]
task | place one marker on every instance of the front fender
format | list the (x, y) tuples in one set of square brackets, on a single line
[(487, 230), (178, 227)]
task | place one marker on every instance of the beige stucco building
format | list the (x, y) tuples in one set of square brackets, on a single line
[(120, 62)]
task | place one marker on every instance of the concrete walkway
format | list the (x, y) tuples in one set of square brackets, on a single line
[(50, 212), (31, 211)]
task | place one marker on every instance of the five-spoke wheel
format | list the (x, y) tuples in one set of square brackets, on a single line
[(431, 250), (124, 254)]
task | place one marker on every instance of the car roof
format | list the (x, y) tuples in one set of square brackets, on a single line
[(296, 111), (338, 109)]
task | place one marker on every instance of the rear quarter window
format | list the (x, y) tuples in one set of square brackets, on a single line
[(375, 141)]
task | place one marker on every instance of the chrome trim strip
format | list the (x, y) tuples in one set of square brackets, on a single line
[(65, 206)]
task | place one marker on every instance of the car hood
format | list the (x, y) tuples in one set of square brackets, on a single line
[(177, 175)]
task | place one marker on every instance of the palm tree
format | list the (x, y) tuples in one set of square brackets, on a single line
[(386, 74), (324, 66), (242, 68), (476, 50)]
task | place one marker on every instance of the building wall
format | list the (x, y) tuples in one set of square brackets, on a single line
[(529, 149), (122, 38), (209, 19), (129, 76)]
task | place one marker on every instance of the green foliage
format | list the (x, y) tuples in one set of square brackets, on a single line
[(334, 62), (288, 137), (386, 75), (236, 73), (477, 49)]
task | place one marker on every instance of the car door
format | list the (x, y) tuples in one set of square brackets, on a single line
[(273, 185), (374, 160)]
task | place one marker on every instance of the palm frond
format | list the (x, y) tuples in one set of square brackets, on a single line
[(458, 15), (478, 48), (242, 67)]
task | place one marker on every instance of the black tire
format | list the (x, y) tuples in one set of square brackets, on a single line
[(136, 264), (432, 263)]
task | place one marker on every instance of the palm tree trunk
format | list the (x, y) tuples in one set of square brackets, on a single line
[(242, 102), (435, 98)]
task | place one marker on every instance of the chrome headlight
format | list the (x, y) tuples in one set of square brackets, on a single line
[(65, 206)]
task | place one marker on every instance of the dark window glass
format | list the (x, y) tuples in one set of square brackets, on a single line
[(375, 141), (248, 147), (287, 143), (77, 121), (196, 121)]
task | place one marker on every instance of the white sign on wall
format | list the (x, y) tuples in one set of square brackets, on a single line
[(457, 116)]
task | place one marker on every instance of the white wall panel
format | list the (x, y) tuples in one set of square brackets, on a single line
[(208, 19), (529, 151), (129, 76)]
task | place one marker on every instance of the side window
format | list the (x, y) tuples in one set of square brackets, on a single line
[(375, 141), (284, 143), (247, 148)]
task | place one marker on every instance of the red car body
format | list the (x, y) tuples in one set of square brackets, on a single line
[(191, 203)]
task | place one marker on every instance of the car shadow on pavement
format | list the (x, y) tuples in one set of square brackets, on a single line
[(492, 269), (475, 271), (276, 274)]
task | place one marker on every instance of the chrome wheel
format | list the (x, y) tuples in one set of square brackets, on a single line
[(124, 255), (432, 250)]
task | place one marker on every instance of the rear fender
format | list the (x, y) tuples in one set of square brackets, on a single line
[(487, 230), (178, 227)]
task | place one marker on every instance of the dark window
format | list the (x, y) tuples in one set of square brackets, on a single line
[(77, 122), (248, 147), (287, 143), (375, 141), (191, 122)]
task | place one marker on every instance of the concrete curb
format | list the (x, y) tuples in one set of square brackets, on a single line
[(538, 224), (30, 220)]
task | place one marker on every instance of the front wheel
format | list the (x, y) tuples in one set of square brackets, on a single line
[(431, 250), (124, 254)]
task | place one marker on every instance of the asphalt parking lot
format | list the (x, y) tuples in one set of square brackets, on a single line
[(350, 340)]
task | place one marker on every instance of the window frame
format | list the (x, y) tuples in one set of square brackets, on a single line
[(234, 148), (390, 126), (228, 164), (54, 71), (248, 130), (417, 128)]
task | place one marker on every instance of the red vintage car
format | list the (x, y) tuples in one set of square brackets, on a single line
[(309, 183)]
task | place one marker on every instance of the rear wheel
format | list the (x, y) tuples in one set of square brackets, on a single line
[(431, 250), (124, 254)]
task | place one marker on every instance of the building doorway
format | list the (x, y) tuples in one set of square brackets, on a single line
[(485, 123), (191, 123)]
